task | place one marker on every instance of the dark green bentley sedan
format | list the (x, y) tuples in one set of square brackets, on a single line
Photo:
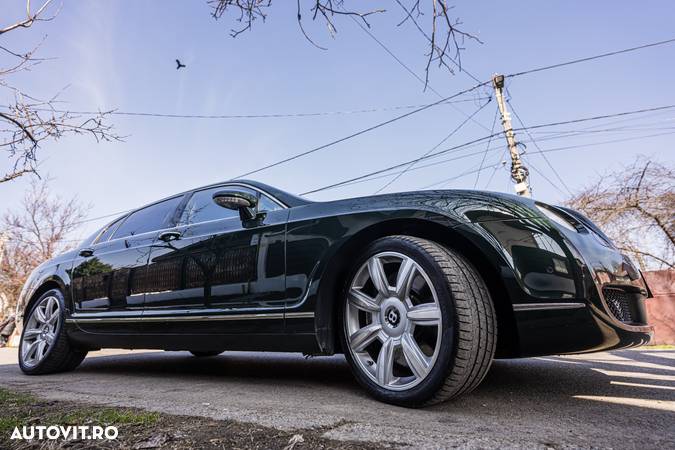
[(419, 290)]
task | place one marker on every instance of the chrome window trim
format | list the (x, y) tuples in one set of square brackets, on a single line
[(546, 306)]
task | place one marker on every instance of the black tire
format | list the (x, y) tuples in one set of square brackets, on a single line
[(469, 330), (206, 354), (60, 356)]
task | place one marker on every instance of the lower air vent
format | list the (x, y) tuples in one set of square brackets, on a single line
[(620, 304)]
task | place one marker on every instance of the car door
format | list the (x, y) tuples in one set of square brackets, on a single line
[(214, 264), (109, 278)]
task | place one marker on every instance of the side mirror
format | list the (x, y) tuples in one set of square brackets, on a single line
[(237, 201)]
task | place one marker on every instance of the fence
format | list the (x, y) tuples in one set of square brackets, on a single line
[(661, 308)]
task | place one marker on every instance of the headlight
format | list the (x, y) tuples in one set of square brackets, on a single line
[(556, 217)]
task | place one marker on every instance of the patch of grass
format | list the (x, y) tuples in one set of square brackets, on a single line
[(659, 347), (19, 409), (7, 423), (105, 416), (11, 398), (14, 407)]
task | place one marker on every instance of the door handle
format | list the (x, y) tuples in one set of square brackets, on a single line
[(86, 252), (168, 236)]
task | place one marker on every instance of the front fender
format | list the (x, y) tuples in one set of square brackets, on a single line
[(528, 256), (43, 276)]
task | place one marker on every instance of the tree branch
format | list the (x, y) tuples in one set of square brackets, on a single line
[(635, 208), (30, 19)]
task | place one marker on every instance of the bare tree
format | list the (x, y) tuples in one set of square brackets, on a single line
[(29, 121), (33, 234), (444, 36), (636, 209)]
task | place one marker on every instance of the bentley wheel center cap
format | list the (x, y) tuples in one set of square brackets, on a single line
[(393, 317)]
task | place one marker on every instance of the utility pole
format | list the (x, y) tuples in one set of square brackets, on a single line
[(519, 172)]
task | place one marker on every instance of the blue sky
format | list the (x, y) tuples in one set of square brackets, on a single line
[(120, 55)]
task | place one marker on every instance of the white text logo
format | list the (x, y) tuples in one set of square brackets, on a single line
[(53, 432)]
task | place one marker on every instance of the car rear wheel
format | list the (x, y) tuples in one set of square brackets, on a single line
[(44, 346), (418, 324)]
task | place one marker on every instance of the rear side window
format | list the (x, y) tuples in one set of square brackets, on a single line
[(153, 217)]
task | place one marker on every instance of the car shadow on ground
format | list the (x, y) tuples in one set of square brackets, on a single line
[(643, 378), (645, 374)]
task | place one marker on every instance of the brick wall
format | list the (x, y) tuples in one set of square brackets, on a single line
[(661, 308)]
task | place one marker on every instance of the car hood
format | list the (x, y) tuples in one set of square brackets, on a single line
[(464, 205)]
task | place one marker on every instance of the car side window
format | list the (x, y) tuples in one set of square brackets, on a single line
[(267, 204), (202, 208), (103, 237), (153, 217)]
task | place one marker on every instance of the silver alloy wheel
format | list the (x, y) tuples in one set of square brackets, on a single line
[(40, 332), (393, 332)]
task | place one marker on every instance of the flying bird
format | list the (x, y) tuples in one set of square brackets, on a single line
[(179, 64)]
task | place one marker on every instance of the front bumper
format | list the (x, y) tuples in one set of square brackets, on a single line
[(610, 312), (572, 291), (580, 330)]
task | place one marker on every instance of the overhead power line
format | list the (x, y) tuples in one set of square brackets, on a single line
[(93, 219), (543, 175), (487, 148), (384, 173), (534, 142), (358, 133), (396, 166), (393, 55), (591, 58), (605, 116), (613, 141), (474, 141), (501, 162), (495, 166), (425, 83), (455, 130), (463, 174), (249, 116)]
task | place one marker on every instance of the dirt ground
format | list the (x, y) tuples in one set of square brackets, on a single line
[(140, 429)]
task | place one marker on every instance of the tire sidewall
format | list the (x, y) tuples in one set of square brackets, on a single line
[(57, 336), (423, 391)]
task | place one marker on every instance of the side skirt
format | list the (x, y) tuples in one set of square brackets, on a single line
[(305, 343)]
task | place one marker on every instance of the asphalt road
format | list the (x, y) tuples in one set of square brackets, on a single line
[(622, 399)]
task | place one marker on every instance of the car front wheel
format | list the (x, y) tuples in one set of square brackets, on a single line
[(418, 324), (44, 346)]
